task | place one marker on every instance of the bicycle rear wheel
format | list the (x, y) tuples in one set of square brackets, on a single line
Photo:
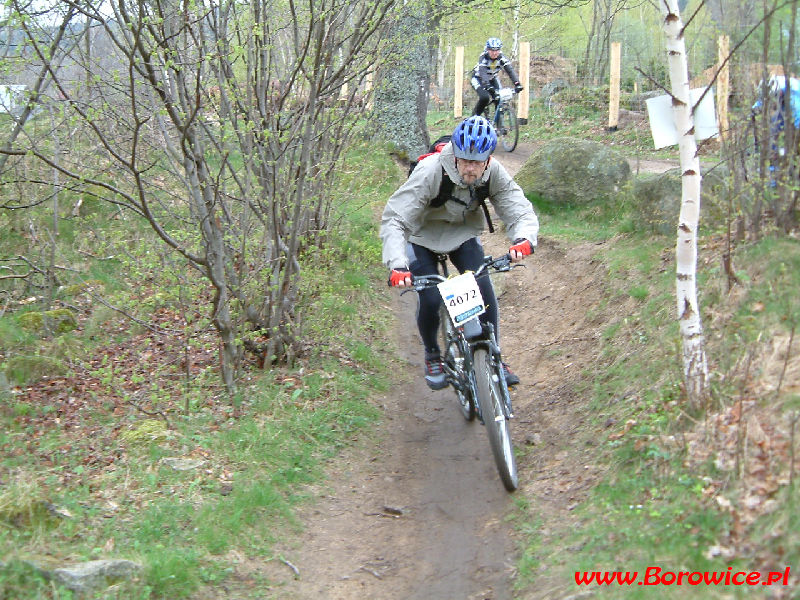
[(491, 400), (453, 358), (507, 124)]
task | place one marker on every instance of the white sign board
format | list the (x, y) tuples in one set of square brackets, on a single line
[(662, 119), (10, 97)]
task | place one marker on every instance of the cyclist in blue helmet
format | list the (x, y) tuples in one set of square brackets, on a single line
[(419, 223), (484, 74)]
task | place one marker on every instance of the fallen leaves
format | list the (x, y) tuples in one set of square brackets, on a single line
[(626, 428)]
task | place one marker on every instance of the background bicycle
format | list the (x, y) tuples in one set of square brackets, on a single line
[(504, 118)]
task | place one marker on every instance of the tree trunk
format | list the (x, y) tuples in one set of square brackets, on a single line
[(695, 368), (401, 96)]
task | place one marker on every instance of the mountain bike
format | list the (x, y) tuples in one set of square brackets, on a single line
[(472, 360), (504, 120)]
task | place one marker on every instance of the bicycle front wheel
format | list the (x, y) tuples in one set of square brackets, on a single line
[(507, 124), (453, 356), (491, 401)]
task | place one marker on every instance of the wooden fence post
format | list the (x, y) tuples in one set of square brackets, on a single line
[(613, 88), (458, 94), (368, 89), (723, 85), (523, 101)]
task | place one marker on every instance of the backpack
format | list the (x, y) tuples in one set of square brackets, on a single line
[(446, 187)]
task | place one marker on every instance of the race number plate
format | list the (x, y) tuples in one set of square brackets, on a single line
[(462, 298)]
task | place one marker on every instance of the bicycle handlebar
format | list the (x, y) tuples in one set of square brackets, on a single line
[(498, 265), (509, 90)]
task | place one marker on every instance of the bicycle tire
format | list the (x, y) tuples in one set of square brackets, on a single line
[(507, 123), (454, 358), (491, 401)]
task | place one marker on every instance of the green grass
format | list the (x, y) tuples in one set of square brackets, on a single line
[(259, 458), (772, 297), (653, 508), (21, 579)]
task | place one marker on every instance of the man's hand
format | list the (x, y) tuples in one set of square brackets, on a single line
[(520, 249), (518, 87), (400, 278)]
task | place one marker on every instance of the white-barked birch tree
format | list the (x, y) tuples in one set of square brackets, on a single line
[(695, 366)]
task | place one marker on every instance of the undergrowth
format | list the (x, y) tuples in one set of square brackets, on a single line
[(684, 492), (124, 451)]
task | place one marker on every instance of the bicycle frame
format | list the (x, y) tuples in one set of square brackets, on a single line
[(505, 120), (474, 334), (503, 102)]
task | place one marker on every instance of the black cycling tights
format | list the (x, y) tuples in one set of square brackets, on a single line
[(468, 256)]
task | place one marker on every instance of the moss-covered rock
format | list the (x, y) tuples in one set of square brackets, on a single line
[(573, 171), (24, 368), (145, 432), (49, 322), (79, 288), (658, 200)]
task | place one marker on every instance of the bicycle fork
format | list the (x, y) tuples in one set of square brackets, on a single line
[(498, 374), (499, 377)]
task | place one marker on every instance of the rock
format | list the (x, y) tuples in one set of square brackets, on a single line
[(658, 198), (95, 575), (553, 87), (183, 464), (574, 171), (51, 322)]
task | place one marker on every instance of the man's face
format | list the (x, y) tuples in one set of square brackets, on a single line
[(470, 170), (493, 54)]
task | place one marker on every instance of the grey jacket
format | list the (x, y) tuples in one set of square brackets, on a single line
[(408, 216)]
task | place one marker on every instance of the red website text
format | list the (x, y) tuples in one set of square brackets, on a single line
[(658, 576)]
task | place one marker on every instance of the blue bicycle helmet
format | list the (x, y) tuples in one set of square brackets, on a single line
[(474, 139), (494, 44)]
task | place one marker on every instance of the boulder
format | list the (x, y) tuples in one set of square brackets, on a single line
[(574, 171), (553, 87), (96, 575), (658, 200), (53, 322)]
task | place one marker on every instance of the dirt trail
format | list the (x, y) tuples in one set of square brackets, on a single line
[(423, 514)]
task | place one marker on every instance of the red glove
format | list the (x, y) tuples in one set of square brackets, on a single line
[(521, 246), (399, 278)]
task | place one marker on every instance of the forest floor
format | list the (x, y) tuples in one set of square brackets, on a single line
[(418, 511)]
